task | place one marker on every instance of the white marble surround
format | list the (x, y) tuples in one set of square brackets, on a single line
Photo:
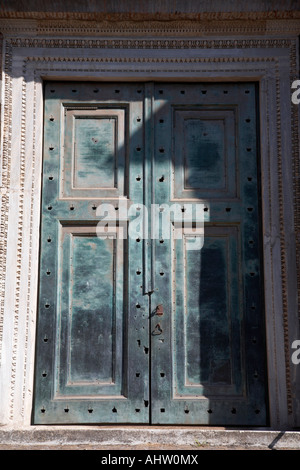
[(34, 53)]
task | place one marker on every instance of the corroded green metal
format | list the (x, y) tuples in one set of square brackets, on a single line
[(147, 330), (92, 357), (208, 365)]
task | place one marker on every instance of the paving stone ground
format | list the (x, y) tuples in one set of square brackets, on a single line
[(150, 447), (156, 439)]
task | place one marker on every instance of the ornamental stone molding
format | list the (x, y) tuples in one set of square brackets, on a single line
[(265, 51)]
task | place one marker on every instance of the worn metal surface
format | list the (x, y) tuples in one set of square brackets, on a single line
[(115, 316), (208, 365), (92, 340)]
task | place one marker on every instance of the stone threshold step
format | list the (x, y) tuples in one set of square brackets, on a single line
[(139, 436)]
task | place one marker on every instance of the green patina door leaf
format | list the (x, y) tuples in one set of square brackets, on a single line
[(91, 365), (208, 365)]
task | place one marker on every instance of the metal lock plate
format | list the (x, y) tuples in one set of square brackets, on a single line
[(159, 310)]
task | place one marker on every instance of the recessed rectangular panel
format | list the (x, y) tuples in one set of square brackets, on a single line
[(204, 153), (207, 319), (93, 160), (90, 322), (207, 324), (92, 309), (95, 149)]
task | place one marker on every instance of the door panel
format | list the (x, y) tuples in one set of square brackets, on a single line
[(165, 326), (94, 152), (210, 133), (92, 357), (207, 365), (206, 325), (91, 312)]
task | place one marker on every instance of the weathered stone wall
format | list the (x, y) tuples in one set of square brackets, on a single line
[(161, 8), (222, 41)]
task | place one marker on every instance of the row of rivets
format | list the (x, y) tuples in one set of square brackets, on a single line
[(96, 90), (162, 410)]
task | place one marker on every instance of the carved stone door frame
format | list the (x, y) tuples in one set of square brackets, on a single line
[(28, 61)]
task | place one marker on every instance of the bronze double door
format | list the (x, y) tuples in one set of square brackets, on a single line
[(150, 326)]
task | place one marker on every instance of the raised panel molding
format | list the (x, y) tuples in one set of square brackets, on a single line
[(93, 165), (90, 269), (217, 128), (27, 61), (224, 376)]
